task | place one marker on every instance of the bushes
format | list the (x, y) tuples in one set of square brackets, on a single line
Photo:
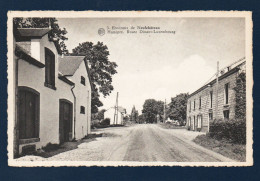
[(105, 122), (232, 130)]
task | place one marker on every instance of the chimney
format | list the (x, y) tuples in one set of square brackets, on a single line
[(36, 49)]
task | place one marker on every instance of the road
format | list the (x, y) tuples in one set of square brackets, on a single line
[(143, 143)]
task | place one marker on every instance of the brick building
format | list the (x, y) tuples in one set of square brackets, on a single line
[(201, 104)]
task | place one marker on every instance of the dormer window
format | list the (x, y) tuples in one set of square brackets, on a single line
[(82, 81), (49, 69)]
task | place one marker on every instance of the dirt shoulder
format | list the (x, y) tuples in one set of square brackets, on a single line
[(223, 147)]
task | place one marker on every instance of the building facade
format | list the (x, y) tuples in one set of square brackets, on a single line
[(46, 110), (209, 103)]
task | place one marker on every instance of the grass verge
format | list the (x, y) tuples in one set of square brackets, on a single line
[(223, 147), (171, 126)]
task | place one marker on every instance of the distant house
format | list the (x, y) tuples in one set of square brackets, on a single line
[(201, 104), (53, 93), (115, 119)]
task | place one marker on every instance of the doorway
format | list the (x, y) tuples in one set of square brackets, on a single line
[(65, 121)]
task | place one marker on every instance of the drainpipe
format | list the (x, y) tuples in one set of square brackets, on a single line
[(74, 135)]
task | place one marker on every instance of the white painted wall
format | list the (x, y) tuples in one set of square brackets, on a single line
[(110, 114), (83, 94), (34, 77)]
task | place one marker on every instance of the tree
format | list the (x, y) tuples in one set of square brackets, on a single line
[(240, 96), (151, 108), (177, 107), (55, 33), (101, 70), (134, 115)]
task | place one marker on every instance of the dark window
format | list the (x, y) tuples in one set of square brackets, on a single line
[(82, 109), (226, 93), (210, 116), (200, 103), (28, 113), (194, 105), (190, 105), (82, 81), (49, 69), (226, 114), (211, 98)]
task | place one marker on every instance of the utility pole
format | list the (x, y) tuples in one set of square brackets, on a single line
[(116, 110), (164, 112), (216, 108)]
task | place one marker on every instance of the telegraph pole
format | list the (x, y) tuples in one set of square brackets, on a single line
[(116, 110), (216, 109), (164, 112)]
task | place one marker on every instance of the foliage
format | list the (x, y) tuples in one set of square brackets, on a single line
[(150, 110), (134, 115), (55, 33), (177, 108), (105, 122), (240, 93), (101, 70), (141, 119), (232, 130)]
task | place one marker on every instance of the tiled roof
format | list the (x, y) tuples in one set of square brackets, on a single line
[(69, 64), (33, 32)]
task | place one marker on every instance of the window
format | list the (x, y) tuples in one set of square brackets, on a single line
[(49, 69), (226, 114), (199, 121), (200, 103), (190, 105), (82, 110), (226, 93), (189, 122), (82, 81), (211, 98), (28, 113), (210, 116), (194, 105)]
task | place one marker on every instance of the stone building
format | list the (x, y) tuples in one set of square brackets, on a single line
[(201, 104)]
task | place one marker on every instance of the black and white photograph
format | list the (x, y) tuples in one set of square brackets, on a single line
[(148, 88)]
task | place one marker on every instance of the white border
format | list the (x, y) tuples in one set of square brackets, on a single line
[(133, 14)]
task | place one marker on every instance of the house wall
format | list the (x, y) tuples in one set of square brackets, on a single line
[(110, 114), (34, 77), (83, 98), (205, 102)]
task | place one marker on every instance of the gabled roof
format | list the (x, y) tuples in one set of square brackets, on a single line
[(33, 32), (69, 64)]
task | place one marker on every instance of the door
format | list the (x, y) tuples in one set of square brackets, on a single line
[(65, 123), (28, 113)]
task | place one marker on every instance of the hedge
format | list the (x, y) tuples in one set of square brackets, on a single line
[(231, 130)]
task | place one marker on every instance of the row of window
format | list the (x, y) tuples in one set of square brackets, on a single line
[(50, 70), (226, 97)]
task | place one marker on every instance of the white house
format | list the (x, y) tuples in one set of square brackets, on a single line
[(115, 118), (46, 96)]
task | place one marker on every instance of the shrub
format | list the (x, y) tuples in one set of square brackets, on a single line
[(232, 130), (105, 122)]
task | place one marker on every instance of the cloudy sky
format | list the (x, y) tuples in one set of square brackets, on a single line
[(160, 65)]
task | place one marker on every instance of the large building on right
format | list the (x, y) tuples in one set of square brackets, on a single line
[(202, 106)]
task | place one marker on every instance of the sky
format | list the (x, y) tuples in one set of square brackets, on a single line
[(160, 65)]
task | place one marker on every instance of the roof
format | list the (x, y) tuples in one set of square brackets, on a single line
[(22, 53), (33, 32), (228, 73), (69, 64)]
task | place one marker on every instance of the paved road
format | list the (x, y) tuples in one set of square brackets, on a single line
[(143, 143)]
